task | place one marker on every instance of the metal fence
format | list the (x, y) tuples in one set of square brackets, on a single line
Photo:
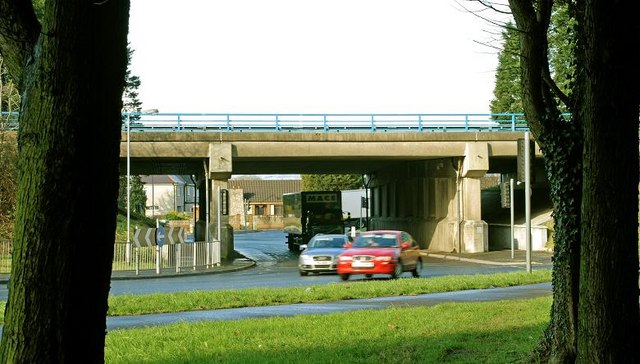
[(128, 257), (167, 258), (326, 123), (195, 122), (6, 247)]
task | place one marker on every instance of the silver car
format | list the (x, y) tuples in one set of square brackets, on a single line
[(320, 255)]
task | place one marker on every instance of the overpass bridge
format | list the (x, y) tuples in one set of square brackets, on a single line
[(424, 169), (312, 143)]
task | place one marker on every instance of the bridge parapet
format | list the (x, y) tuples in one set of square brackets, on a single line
[(326, 123)]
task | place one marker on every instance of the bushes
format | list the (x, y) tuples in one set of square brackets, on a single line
[(173, 215)]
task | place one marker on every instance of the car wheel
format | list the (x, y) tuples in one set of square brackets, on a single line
[(303, 273), (416, 271), (398, 270), (344, 277)]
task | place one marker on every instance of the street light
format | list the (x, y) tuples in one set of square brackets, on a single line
[(366, 181), (148, 111), (128, 179)]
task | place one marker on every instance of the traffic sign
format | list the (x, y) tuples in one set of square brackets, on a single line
[(147, 237), (160, 236)]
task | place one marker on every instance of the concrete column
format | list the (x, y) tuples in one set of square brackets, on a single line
[(224, 231), (474, 231), (220, 169)]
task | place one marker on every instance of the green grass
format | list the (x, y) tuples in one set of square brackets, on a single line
[(135, 220), (208, 300), (491, 332), (488, 332)]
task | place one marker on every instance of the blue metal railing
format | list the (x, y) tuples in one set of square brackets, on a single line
[(325, 123), (8, 120)]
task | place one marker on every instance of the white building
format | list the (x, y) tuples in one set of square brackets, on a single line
[(166, 193)]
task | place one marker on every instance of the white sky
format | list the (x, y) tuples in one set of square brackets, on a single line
[(303, 56)]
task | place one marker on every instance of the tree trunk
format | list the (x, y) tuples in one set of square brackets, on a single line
[(608, 306), (563, 153), (561, 145), (67, 185), (592, 163)]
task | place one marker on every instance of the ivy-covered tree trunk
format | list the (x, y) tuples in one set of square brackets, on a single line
[(592, 163), (563, 154), (71, 71)]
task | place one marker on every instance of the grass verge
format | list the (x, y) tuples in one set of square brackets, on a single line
[(210, 300), (487, 332)]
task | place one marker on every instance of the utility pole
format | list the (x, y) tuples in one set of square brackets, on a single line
[(527, 197)]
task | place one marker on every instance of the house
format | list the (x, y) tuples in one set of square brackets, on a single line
[(256, 204), (166, 193)]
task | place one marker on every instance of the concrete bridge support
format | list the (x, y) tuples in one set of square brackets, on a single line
[(438, 201), (219, 171)]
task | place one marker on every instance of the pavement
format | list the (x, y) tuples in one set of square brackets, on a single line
[(498, 258), (224, 267)]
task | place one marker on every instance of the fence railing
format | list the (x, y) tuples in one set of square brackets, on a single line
[(193, 122), (128, 257), (6, 248), (169, 257), (326, 123)]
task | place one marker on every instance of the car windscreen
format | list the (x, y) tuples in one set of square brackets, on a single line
[(328, 242), (375, 240)]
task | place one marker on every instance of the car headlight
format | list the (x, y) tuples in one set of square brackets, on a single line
[(345, 259), (384, 258), (306, 259)]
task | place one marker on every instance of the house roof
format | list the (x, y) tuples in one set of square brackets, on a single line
[(258, 190)]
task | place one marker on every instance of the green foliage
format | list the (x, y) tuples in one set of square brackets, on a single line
[(135, 220), (130, 101), (9, 102), (8, 183), (174, 215), (138, 195), (508, 90), (331, 182), (562, 42)]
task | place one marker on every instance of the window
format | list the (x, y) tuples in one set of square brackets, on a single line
[(259, 210)]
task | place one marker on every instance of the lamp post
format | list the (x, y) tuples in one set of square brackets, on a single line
[(149, 111), (527, 198), (366, 181), (128, 180)]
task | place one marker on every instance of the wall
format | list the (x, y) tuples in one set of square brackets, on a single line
[(420, 198), (500, 237), (267, 222)]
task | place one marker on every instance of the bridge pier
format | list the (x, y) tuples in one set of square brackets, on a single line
[(427, 183), (219, 170), (438, 201)]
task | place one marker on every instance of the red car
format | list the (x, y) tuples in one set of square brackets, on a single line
[(381, 252)]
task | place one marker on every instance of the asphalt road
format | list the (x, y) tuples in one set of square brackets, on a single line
[(276, 266)]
